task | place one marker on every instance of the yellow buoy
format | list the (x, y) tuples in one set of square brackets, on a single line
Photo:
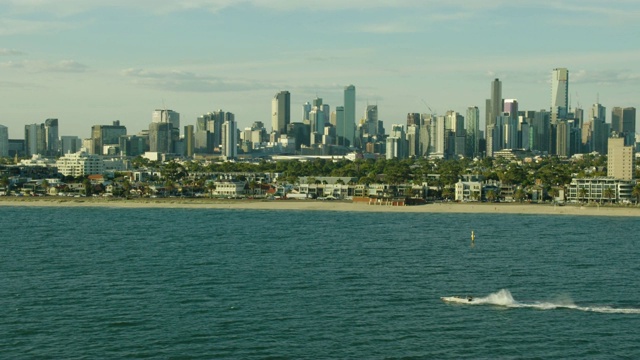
[(473, 236)]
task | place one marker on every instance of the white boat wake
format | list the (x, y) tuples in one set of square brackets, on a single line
[(505, 299)]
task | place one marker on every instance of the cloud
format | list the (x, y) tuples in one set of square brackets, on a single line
[(604, 77), (39, 66), (10, 52), (185, 81)]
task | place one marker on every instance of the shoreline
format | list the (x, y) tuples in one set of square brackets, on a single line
[(315, 205)]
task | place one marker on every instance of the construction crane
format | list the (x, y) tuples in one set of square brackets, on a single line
[(431, 112)]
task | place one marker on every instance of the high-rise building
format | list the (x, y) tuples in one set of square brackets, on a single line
[(173, 118), (473, 131), (281, 112), (70, 144), (623, 121), (620, 160), (102, 135), (397, 143), (229, 144), (492, 112), (35, 139), (306, 108), (160, 137), (4, 141), (51, 135), (559, 94), (350, 114), (341, 126), (189, 140)]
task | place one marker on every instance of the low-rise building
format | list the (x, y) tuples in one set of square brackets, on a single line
[(468, 191), (600, 189)]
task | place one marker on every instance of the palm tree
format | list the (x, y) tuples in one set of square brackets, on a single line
[(582, 193), (609, 194), (491, 195), (211, 186), (636, 192)]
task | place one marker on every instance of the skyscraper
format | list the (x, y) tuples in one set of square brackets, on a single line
[(493, 110), (281, 112), (623, 121), (349, 114), (160, 137), (51, 135), (189, 140), (35, 139), (229, 144), (559, 94), (106, 135), (473, 131), (4, 141)]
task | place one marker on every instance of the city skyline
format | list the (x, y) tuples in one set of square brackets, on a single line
[(87, 64)]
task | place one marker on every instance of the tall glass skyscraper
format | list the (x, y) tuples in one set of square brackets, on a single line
[(281, 112), (349, 128), (559, 94)]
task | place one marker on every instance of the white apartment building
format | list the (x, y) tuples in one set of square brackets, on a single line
[(80, 164), (468, 191)]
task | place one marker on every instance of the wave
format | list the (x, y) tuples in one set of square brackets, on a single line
[(505, 299)]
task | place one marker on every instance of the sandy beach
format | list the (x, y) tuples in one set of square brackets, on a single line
[(316, 205)]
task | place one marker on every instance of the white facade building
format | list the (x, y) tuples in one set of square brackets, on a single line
[(80, 164)]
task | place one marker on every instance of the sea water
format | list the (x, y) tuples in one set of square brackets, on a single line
[(193, 283)]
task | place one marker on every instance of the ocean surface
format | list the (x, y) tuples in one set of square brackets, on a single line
[(107, 283)]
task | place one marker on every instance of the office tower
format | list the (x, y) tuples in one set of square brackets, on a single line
[(35, 139), (494, 107), (341, 126), (492, 111), (102, 135), (598, 112), (51, 135), (413, 140), (4, 141), (350, 113), (70, 144), (160, 137), (316, 120), (473, 131), (396, 143), (454, 122), (563, 132), (306, 108), (166, 116), (281, 112), (620, 163), (559, 94), (623, 121), (326, 111), (229, 138), (189, 140), (371, 120), (413, 119), (173, 118), (133, 145)]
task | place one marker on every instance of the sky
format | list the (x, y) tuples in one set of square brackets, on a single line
[(90, 62)]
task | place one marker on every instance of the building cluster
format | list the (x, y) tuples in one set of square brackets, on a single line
[(508, 131)]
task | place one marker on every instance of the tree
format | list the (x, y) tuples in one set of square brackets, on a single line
[(636, 192), (520, 195), (87, 186), (491, 195), (609, 194), (582, 194)]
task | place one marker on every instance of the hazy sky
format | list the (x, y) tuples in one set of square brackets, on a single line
[(90, 62)]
